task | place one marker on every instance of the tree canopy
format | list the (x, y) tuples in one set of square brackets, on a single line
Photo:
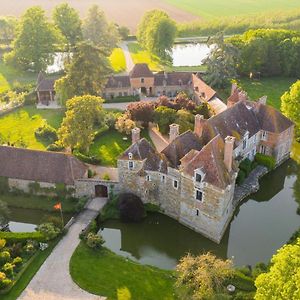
[(83, 116), (283, 279), (8, 27), (98, 31), (290, 104), (157, 32), (86, 74), (68, 22), (35, 42), (221, 62)]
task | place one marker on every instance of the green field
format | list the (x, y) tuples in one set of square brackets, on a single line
[(107, 274), (219, 8), (20, 125), (117, 60)]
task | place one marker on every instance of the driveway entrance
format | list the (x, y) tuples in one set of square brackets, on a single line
[(101, 191)]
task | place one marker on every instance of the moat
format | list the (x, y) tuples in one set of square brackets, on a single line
[(261, 224)]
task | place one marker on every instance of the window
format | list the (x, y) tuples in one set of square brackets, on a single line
[(198, 177), (148, 178), (244, 143), (163, 178), (263, 149), (197, 212), (175, 184), (202, 94), (196, 89), (199, 195), (130, 165), (130, 155), (142, 80), (264, 135)]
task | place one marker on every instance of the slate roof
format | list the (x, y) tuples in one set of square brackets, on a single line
[(182, 145), (172, 78), (143, 151), (118, 82), (140, 70), (210, 160), (199, 83), (45, 85), (40, 166)]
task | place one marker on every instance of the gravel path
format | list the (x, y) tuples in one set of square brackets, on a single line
[(128, 58), (53, 280)]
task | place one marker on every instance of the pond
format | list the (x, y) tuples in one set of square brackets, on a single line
[(26, 220), (184, 55), (261, 225)]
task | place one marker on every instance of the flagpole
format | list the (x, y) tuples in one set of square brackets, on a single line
[(62, 218)]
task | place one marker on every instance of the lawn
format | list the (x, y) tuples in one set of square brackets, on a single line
[(109, 145), (21, 124), (220, 8), (274, 88), (9, 75), (117, 60), (139, 55), (107, 274)]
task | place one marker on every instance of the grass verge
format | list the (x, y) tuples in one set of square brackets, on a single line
[(107, 274)]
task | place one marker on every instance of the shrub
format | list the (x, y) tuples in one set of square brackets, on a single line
[(4, 257), (4, 187), (106, 176), (240, 177), (131, 208), (55, 147), (80, 204), (259, 269), (49, 231), (150, 207), (30, 247), (22, 237), (265, 160), (124, 124), (111, 209), (110, 120), (8, 269), (2, 243), (121, 99), (17, 261), (4, 282), (246, 166), (90, 173), (30, 98), (142, 111), (46, 132), (94, 241), (87, 159), (164, 116)]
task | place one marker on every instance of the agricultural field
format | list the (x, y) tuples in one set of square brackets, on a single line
[(216, 8), (117, 60)]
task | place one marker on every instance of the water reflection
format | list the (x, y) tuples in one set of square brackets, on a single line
[(262, 224)]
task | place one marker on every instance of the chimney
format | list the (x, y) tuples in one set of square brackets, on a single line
[(174, 132), (263, 100), (135, 135), (234, 87), (228, 152), (198, 128)]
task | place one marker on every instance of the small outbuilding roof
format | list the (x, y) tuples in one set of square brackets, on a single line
[(140, 70)]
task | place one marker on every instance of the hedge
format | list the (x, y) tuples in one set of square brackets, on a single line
[(87, 159), (265, 160), (16, 237), (121, 99)]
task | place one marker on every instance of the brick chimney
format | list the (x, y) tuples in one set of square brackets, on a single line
[(228, 152), (135, 135), (234, 87), (263, 100), (198, 127), (174, 132)]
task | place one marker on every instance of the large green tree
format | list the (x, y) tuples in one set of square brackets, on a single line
[(290, 104), (86, 74), (157, 32), (8, 27), (221, 62), (283, 279), (36, 41), (84, 116), (98, 31), (68, 22)]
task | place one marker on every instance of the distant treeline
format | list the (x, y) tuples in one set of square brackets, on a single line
[(237, 25)]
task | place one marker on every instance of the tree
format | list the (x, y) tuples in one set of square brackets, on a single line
[(35, 42), (283, 279), (3, 214), (185, 120), (290, 104), (86, 74), (124, 124), (221, 62), (142, 111), (68, 22), (99, 32), (8, 29), (202, 275), (157, 33), (83, 116), (164, 116)]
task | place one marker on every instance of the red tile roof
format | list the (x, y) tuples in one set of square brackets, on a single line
[(140, 70)]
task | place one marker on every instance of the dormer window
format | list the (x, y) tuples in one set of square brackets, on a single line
[(142, 80), (198, 177), (196, 89), (130, 165), (130, 155), (202, 94), (264, 135)]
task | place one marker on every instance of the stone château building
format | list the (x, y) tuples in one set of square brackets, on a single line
[(193, 178)]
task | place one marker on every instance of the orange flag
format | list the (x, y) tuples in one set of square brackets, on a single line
[(57, 206)]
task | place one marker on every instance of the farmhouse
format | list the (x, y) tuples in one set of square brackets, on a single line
[(194, 178), (23, 167)]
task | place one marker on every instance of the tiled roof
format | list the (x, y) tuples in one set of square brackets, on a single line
[(143, 151), (172, 78), (118, 82), (45, 85), (211, 160), (40, 166), (202, 89), (140, 70), (182, 145)]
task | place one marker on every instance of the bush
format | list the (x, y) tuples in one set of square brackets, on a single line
[(4, 257), (106, 176), (259, 269), (2, 243), (121, 99), (21, 237), (111, 209), (4, 187), (87, 159), (30, 98), (150, 207), (46, 132), (131, 208), (164, 116), (242, 282), (124, 124), (94, 241), (4, 282), (49, 231), (17, 261), (80, 204), (265, 160), (240, 177), (55, 147), (246, 166), (8, 269)]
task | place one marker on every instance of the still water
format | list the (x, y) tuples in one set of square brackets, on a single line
[(262, 224)]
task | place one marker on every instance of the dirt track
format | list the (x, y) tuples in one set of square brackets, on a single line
[(124, 12)]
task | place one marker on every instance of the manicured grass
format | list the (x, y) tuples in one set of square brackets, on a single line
[(29, 272), (37, 202), (201, 68), (140, 55), (109, 145), (21, 124), (104, 273), (220, 8), (273, 87), (9, 75), (117, 60)]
